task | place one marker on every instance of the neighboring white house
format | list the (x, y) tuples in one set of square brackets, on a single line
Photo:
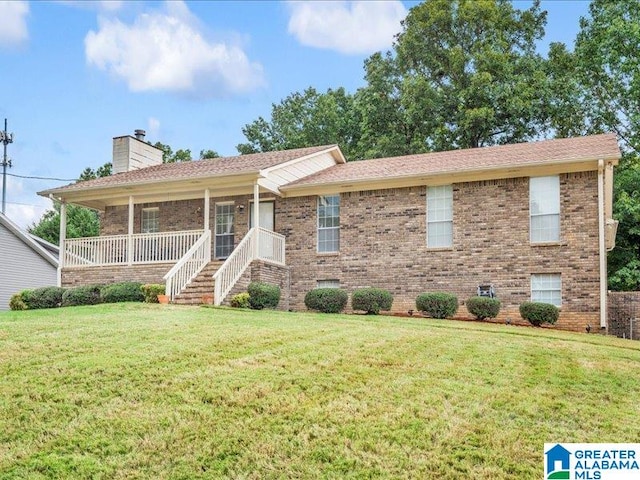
[(26, 261)]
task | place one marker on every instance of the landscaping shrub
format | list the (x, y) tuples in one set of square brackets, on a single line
[(483, 307), (240, 300), (371, 300), (151, 292), (537, 313), (16, 302), (45, 297), (122, 292), (85, 295), (326, 300), (437, 304), (263, 295)]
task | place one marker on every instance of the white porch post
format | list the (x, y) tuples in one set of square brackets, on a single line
[(206, 210), (130, 233), (63, 240), (256, 217)]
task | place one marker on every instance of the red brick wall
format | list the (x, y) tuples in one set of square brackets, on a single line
[(383, 244)]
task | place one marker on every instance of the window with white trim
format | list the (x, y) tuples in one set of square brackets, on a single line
[(328, 284), (440, 216), (546, 288), (329, 223), (150, 220), (544, 209), (224, 230)]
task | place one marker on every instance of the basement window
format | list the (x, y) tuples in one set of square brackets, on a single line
[(546, 288), (328, 284)]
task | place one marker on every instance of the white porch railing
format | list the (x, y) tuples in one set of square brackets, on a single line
[(124, 249), (270, 248), (189, 266)]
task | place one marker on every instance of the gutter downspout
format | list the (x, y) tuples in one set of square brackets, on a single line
[(601, 246)]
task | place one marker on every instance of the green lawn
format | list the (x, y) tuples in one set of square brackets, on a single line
[(139, 391)]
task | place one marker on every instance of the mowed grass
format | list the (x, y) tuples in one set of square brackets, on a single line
[(149, 391)]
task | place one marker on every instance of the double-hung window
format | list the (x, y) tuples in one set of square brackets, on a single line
[(329, 223), (544, 209), (546, 288), (440, 216), (150, 220), (224, 230)]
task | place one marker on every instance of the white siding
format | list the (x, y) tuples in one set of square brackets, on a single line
[(132, 154), (293, 171), (21, 267)]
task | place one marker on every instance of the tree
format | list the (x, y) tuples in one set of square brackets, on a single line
[(168, 155), (306, 119), (206, 154), (464, 74), (607, 56)]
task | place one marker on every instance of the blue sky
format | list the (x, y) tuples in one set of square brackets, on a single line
[(192, 74)]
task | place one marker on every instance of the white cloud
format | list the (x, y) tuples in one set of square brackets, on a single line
[(153, 128), (359, 27), (100, 5), (13, 23), (167, 51)]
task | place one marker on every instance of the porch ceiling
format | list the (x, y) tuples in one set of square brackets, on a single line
[(100, 198)]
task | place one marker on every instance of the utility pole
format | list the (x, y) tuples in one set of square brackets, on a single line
[(6, 139)]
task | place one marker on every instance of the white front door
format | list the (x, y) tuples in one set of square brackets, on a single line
[(266, 214), (267, 217)]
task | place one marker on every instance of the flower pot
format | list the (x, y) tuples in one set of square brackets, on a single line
[(164, 299)]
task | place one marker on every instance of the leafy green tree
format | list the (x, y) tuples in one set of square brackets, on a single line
[(204, 154), (464, 74), (169, 156), (306, 119), (81, 222)]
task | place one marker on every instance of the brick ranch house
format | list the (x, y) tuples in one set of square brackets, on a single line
[(533, 220)]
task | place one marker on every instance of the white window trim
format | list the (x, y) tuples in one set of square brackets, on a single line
[(532, 215), (334, 281), (548, 289), (440, 247), (142, 219), (319, 228)]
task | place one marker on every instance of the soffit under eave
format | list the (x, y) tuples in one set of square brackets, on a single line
[(444, 178)]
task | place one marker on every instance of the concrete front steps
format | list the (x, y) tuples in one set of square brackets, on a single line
[(199, 286)]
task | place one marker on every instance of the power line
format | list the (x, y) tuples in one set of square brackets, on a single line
[(27, 204), (42, 178)]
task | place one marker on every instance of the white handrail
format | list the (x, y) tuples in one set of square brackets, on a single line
[(189, 266), (233, 267), (270, 248), (113, 249)]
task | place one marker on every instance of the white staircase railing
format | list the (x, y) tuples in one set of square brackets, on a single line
[(189, 266), (258, 244)]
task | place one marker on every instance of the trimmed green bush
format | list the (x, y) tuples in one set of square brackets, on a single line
[(16, 302), (483, 307), (537, 313), (437, 304), (85, 295), (263, 295), (151, 292), (240, 300), (122, 292), (371, 300), (326, 300), (45, 297)]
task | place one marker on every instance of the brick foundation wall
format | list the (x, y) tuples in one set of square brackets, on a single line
[(276, 275), (73, 277), (624, 314), (383, 244)]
